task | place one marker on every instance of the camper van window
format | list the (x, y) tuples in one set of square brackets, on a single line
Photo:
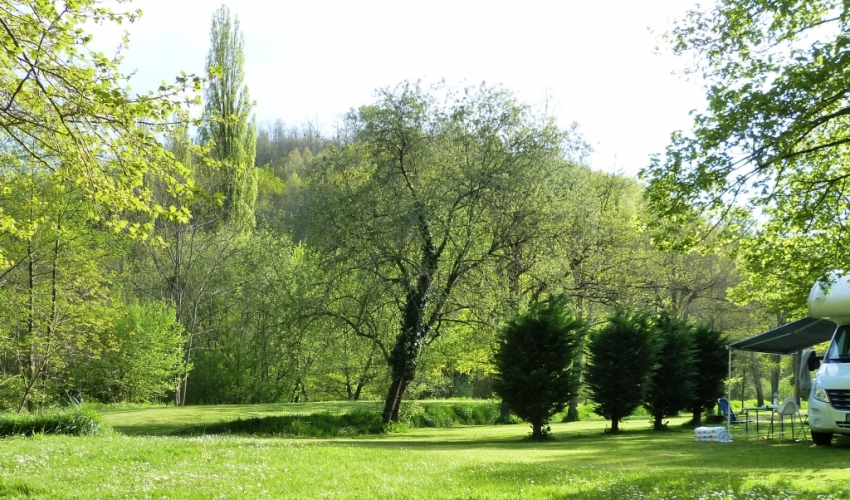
[(839, 350)]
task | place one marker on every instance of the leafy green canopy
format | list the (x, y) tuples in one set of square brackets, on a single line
[(535, 362), (67, 110), (775, 136)]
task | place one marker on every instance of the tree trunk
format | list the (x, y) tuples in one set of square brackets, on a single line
[(757, 382), (403, 361), (696, 415), (774, 374), (615, 425), (572, 410), (30, 362), (393, 403), (363, 379), (504, 413), (414, 327), (537, 431), (658, 424)]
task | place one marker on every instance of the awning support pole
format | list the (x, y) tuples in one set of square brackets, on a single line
[(729, 393)]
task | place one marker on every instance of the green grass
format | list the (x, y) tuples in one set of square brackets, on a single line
[(166, 420), (73, 422), (169, 420), (477, 462)]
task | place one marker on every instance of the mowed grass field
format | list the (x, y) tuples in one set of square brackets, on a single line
[(139, 460)]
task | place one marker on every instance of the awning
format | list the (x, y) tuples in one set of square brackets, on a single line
[(789, 338)]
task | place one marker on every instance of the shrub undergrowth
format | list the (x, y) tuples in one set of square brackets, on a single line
[(355, 423), (416, 414), (74, 422), (319, 425)]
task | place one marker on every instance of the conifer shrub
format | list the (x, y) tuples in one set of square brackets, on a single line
[(621, 357), (673, 378), (535, 361), (712, 365)]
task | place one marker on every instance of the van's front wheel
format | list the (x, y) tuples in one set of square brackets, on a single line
[(822, 438)]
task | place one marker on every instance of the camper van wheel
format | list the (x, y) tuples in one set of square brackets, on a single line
[(822, 438)]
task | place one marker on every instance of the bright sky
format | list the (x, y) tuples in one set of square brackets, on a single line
[(316, 59)]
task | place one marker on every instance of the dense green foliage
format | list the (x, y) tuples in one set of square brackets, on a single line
[(711, 361), (140, 360), (142, 264), (774, 137), (621, 357), (673, 378), (437, 414), (535, 362)]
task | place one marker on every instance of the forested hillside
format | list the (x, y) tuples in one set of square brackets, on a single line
[(147, 256)]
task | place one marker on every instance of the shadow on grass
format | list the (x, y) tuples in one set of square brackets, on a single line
[(316, 425), (16, 488), (167, 421), (278, 419)]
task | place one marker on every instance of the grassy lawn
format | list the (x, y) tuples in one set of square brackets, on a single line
[(459, 462)]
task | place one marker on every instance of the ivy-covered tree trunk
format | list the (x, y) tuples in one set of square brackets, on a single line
[(414, 327)]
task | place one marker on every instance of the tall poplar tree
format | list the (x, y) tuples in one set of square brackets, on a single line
[(228, 126)]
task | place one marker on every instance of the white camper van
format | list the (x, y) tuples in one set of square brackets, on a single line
[(829, 400)]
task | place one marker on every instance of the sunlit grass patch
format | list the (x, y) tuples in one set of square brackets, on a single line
[(469, 462)]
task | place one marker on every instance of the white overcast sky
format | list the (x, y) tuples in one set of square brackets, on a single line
[(316, 59)]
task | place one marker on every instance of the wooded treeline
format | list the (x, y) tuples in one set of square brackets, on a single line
[(250, 264)]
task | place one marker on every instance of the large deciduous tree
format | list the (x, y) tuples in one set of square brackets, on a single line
[(66, 110), (775, 134), (426, 194)]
